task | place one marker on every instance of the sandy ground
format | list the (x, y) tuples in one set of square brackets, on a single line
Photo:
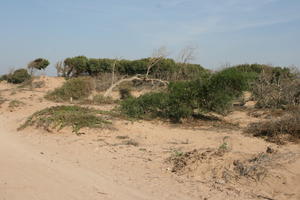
[(35, 164)]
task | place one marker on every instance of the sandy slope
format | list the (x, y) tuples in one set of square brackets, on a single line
[(26, 173), (38, 165)]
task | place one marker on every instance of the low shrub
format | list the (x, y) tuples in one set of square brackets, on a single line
[(59, 117), (274, 130), (100, 99), (149, 105), (18, 76), (75, 88)]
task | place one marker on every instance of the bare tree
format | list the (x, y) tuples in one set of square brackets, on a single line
[(187, 54), (60, 69), (158, 55)]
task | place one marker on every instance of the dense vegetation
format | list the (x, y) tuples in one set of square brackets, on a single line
[(187, 98), (165, 68)]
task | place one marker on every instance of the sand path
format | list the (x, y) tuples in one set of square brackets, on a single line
[(26, 173)]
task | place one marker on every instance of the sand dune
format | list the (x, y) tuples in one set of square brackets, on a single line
[(35, 164)]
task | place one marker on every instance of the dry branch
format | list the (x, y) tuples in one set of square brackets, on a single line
[(157, 56), (133, 78)]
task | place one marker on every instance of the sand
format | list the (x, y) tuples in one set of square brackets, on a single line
[(36, 164)]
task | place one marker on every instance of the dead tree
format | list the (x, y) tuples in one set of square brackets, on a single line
[(157, 56), (186, 55)]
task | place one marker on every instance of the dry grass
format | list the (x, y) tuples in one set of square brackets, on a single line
[(98, 99), (278, 129), (130, 142), (220, 165), (2, 100), (15, 104)]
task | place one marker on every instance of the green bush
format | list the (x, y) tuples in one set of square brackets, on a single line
[(75, 88), (18, 76), (76, 66), (146, 106), (187, 98)]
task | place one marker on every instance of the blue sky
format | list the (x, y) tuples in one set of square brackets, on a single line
[(224, 31)]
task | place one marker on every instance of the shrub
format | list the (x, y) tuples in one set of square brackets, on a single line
[(59, 117), (276, 88), (18, 76), (4, 77), (183, 99), (251, 68), (75, 88), (15, 104), (274, 129), (100, 99), (148, 105), (164, 69)]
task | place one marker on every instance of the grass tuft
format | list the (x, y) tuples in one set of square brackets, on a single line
[(278, 129), (15, 104)]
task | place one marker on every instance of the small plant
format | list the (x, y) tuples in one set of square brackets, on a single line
[(58, 117), (130, 142), (122, 137), (224, 146), (75, 89), (177, 153), (15, 104)]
